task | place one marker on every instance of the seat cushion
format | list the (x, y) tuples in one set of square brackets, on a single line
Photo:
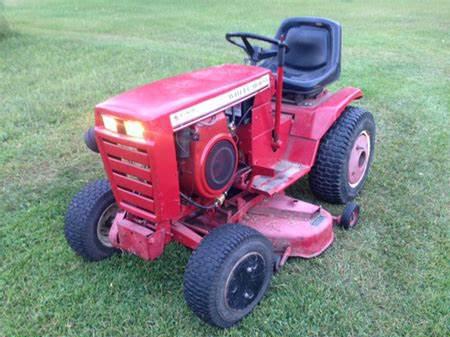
[(308, 47), (314, 56)]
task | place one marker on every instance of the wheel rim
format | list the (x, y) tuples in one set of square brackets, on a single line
[(359, 159), (104, 224), (245, 282)]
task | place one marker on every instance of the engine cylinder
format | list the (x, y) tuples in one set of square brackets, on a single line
[(209, 169)]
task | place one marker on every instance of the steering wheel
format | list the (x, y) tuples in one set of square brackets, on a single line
[(256, 53)]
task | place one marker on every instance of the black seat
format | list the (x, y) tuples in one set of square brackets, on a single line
[(314, 56)]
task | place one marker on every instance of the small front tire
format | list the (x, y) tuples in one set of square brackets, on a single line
[(88, 220), (228, 274)]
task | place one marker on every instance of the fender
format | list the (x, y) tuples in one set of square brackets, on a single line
[(311, 123)]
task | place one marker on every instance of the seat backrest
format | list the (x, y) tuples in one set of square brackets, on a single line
[(313, 43)]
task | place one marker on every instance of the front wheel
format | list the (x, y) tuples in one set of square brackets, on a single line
[(89, 219), (228, 274), (344, 157)]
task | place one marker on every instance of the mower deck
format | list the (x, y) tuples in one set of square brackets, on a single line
[(295, 227)]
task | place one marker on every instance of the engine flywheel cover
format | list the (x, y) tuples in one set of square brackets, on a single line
[(220, 164)]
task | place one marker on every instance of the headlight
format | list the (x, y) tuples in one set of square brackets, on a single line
[(110, 123), (134, 129)]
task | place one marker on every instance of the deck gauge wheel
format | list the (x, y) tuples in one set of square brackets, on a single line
[(350, 216)]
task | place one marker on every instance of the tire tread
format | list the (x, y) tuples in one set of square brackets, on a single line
[(325, 178), (79, 215), (204, 265)]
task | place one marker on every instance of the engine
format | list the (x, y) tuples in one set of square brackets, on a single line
[(207, 157)]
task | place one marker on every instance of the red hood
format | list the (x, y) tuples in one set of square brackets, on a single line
[(164, 97)]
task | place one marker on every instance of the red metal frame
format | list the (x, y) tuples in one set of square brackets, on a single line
[(279, 147)]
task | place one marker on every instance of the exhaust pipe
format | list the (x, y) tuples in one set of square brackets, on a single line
[(89, 139)]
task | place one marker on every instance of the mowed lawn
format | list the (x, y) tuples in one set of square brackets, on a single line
[(389, 277)]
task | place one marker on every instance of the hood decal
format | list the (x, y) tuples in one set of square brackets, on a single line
[(189, 115)]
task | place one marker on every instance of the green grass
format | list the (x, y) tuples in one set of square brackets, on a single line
[(390, 277)]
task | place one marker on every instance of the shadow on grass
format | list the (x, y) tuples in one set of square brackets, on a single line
[(5, 28)]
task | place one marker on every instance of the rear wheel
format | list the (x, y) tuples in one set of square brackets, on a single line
[(89, 219), (228, 274), (344, 157)]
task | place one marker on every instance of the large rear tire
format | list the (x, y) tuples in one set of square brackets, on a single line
[(344, 157), (88, 220), (228, 274)]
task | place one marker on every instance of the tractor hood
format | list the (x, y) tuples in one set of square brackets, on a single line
[(186, 98)]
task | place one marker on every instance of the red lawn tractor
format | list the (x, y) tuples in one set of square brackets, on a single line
[(204, 159)]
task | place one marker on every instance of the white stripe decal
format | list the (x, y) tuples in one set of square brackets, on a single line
[(219, 102)]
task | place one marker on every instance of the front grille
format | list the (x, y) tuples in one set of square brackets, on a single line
[(130, 174)]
